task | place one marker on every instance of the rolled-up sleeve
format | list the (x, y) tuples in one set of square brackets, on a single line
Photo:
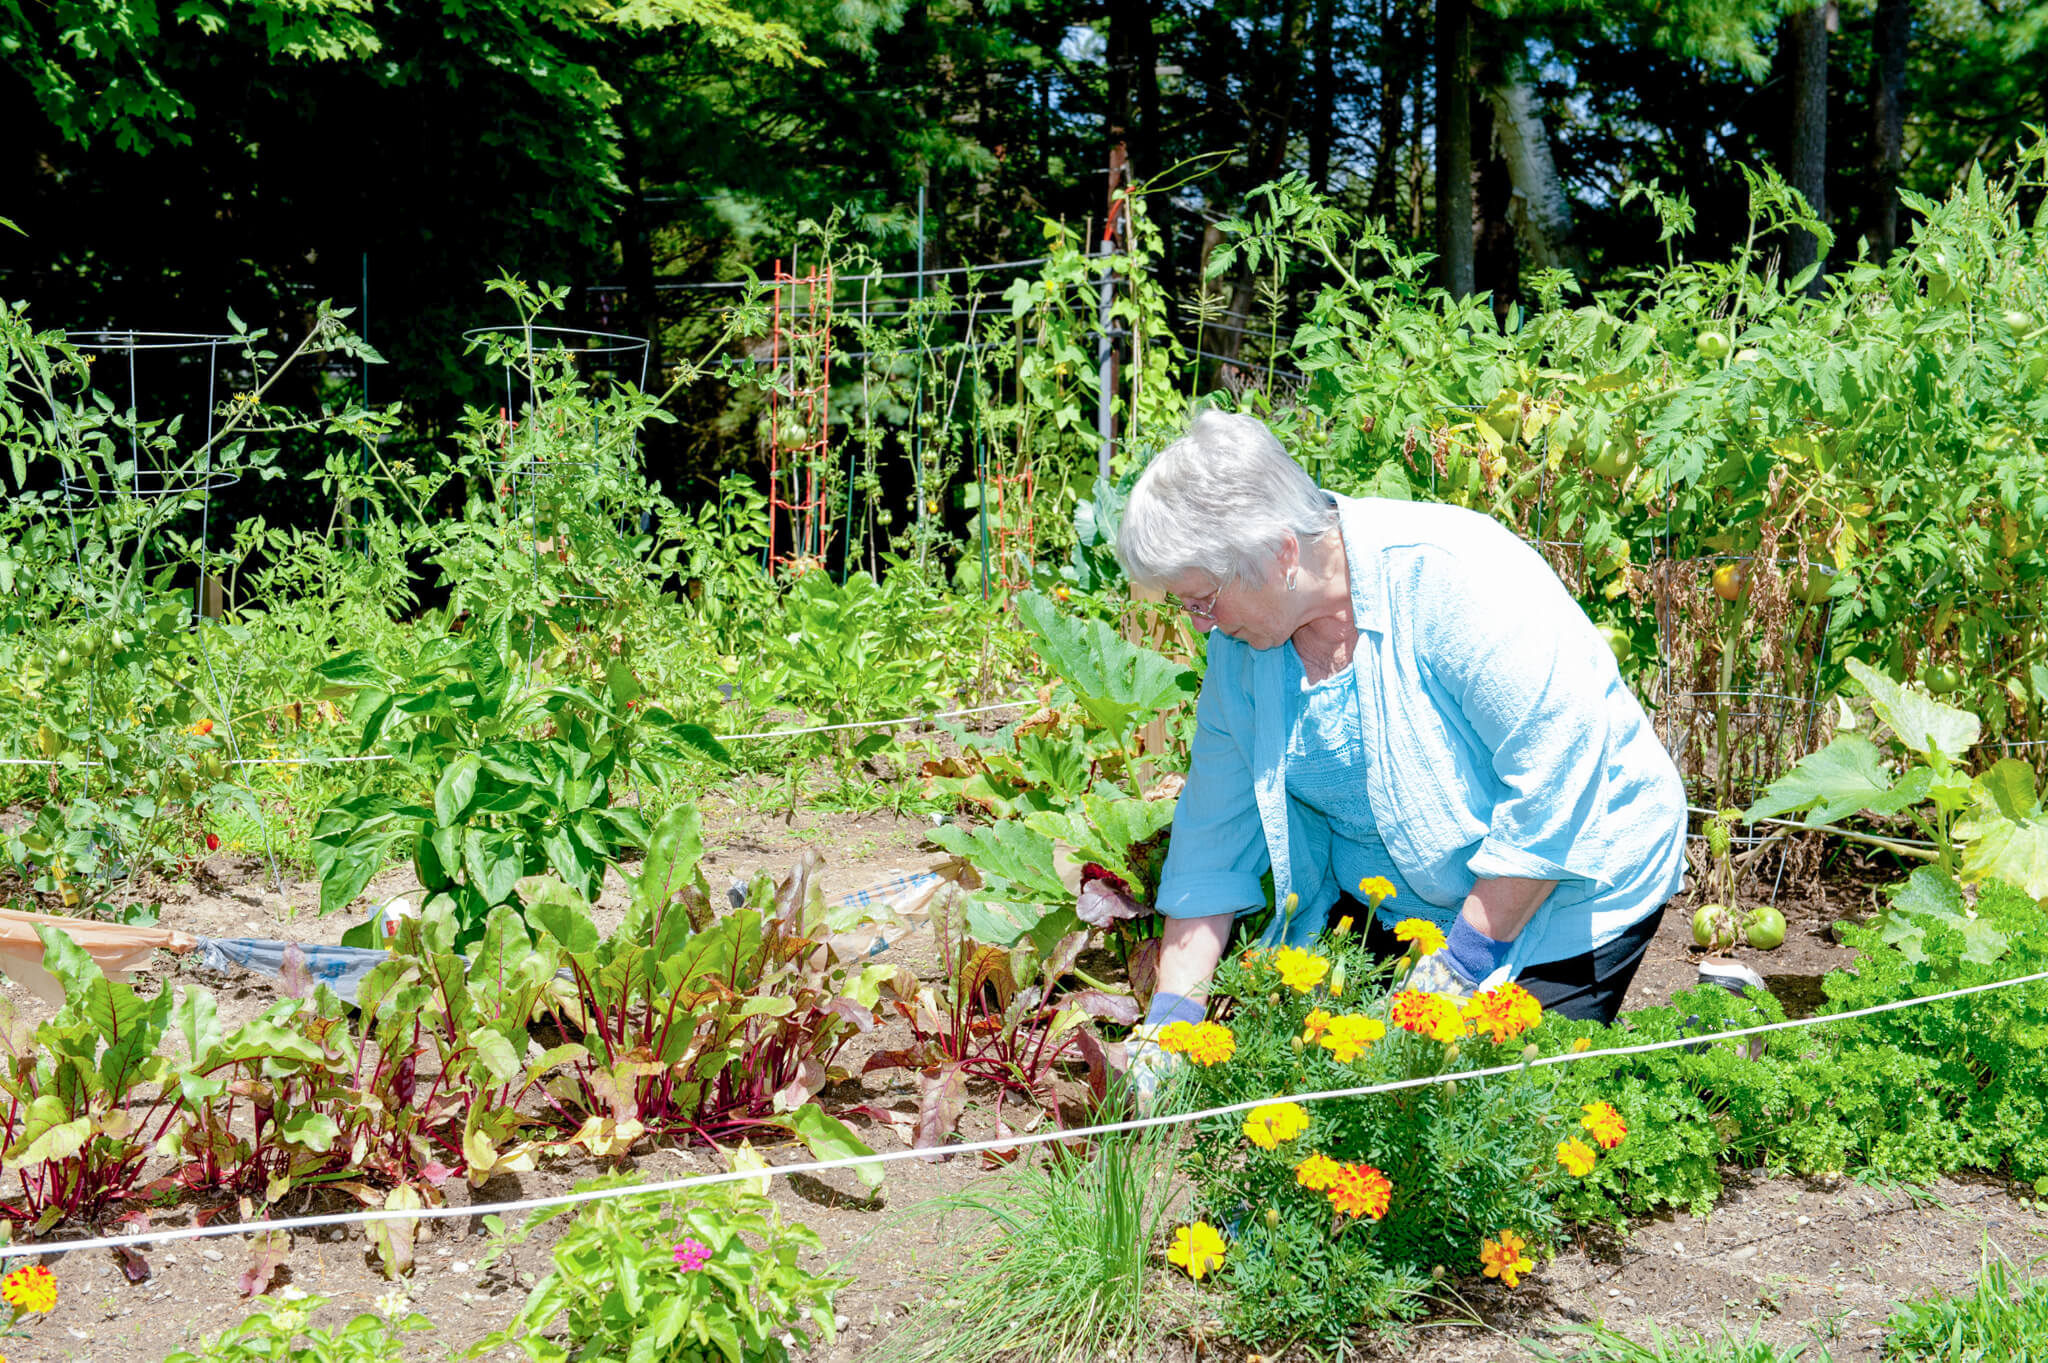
[(1217, 856), (1533, 679)]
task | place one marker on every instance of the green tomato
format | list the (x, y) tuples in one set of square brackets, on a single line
[(1764, 928), (1617, 456), (1617, 643), (1814, 586), (1712, 345), (1713, 927), (1941, 679)]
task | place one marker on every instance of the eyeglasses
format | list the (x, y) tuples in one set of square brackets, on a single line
[(1205, 606)]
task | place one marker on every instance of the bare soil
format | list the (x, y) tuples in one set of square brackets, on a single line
[(1793, 1260)]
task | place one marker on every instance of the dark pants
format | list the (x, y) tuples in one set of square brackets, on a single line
[(1588, 986)]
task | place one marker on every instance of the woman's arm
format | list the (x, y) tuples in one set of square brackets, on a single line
[(1502, 908), (1188, 952)]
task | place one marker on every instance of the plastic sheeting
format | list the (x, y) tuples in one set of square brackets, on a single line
[(119, 950)]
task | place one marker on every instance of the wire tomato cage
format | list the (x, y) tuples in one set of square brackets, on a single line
[(105, 497)]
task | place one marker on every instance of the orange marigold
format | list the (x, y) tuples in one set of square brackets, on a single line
[(1318, 1173), (1313, 1025), (1205, 1043), (1604, 1124), (1576, 1156), (1504, 1258), (1361, 1190), (31, 1288), (1507, 1011), (1430, 1015)]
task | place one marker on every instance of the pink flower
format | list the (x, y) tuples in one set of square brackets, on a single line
[(692, 1254)]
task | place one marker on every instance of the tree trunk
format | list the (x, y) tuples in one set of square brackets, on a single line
[(1496, 261), (637, 256), (1543, 218), (1323, 95), (1393, 68), (1893, 32), (1806, 164), (1454, 146)]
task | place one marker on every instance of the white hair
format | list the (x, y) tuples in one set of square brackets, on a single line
[(1224, 498)]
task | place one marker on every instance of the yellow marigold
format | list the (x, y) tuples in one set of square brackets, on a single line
[(1430, 1015), (1507, 1011), (1272, 1123), (1317, 1173), (31, 1288), (1361, 1190), (1300, 970), (1605, 1124), (1504, 1258), (1205, 1043), (1581, 1044), (1346, 1036), (1376, 890), (1576, 1156), (1423, 937), (1197, 1249), (1312, 1026)]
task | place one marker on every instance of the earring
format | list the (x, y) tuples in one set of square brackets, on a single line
[(1293, 574)]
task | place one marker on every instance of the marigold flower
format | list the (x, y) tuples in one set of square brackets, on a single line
[(1581, 1044), (1576, 1156), (1346, 1036), (1507, 1011), (1205, 1043), (1318, 1173), (1424, 938), (1361, 1190), (1272, 1123), (1313, 1025), (1197, 1249), (692, 1254), (31, 1288), (1605, 1125), (1504, 1258), (1430, 1015), (1300, 970), (1376, 890)]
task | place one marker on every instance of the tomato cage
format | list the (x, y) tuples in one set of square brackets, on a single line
[(800, 417), (558, 465), (153, 510)]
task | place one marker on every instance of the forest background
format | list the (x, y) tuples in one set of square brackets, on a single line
[(166, 162)]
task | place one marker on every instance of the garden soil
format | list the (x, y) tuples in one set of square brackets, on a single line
[(1791, 1260)]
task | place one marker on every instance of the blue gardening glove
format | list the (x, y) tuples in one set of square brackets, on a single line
[(1469, 963)]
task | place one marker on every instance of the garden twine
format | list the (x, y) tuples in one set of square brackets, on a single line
[(1005, 1144), (317, 760)]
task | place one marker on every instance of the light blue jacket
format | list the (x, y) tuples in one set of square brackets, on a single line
[(1501, 739)]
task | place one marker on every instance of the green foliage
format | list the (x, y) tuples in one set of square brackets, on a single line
[(620, 1290), (282, 1332), (1913, 1094), (1467, 1161), (1119, 684), (1070, 1278), (2005, 1315), (1599, 1344)]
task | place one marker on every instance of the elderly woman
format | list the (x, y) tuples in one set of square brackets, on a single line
[(1401, 691)]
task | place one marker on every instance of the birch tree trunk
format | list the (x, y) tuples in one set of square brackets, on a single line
[(1543, 212)]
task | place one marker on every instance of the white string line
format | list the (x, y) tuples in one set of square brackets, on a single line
[(1811, 828), (1008, 1143), (322, 760)]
